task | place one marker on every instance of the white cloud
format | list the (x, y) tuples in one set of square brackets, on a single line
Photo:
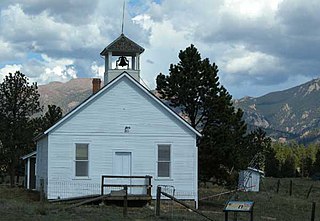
[(253, 42), (165, 43), (44, 71), (250, 63), (97, 71), (248, 9), (9, 69), (43, 33), (51, 69)]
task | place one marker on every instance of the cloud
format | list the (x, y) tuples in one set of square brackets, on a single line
[(8, 51), (51, 70), (9, 69), (259, 46), (44, 71), (97, 71)]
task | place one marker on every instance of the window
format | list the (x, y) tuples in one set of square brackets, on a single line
[(164, 160), (82, 160)]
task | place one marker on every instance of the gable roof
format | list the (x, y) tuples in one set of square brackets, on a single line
[(121, 46), (110, 84)]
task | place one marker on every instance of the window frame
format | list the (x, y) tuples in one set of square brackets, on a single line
[(163, 161), (75, 160)]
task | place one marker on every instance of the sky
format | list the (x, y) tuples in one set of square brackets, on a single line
[(260, 46)]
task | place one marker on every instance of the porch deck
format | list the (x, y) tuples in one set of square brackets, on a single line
[(123, 192), (113, 191), (130, 197)]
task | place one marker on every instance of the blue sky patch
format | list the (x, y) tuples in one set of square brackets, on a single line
[(34, 56)]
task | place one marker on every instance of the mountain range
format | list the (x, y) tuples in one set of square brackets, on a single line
[(65, 95), (289, 114)]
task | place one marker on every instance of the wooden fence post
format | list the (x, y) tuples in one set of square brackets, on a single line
[(158, 201), (290, 188), (309, 191), (278, 185), (149, 185), (102, 185), (125, 201), (313, 211), (42, 190)]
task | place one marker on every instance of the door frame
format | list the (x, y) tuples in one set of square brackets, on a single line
[(114, 151), (121, 150)]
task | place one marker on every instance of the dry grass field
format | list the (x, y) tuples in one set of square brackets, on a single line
[(19, 204)]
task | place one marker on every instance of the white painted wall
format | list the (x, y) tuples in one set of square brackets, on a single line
[(249, 180), (42, 163), (101, 124), (113, 73)]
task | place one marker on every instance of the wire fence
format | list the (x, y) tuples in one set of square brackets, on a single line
[(81, 188), (288, 199), (65, 189), (176, 205), (278, 199)]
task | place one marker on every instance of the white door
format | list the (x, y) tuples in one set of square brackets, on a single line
[(122, 167), (122, 164)]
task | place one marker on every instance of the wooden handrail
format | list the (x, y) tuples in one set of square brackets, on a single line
[(148, 185), (128, 185), (113, 176)]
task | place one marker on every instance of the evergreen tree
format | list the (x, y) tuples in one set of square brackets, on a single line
[(316, 164), (53, 114), (223, 141), (272, 164), (306, 169), (258, 146), (288, 169), (193, 86), (19, 101), (189, 84)]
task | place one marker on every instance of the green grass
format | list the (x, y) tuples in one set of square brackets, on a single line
[(270, 205), (18, 204)]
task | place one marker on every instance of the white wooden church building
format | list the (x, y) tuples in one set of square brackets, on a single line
[(122, 129)]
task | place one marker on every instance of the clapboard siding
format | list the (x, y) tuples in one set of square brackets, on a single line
[(123, 105), (101, 123), (42, 163), (101, 151)]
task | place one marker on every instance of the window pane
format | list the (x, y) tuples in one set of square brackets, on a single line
[(164, 153), (81, 168), (81, 151), (163, 169)]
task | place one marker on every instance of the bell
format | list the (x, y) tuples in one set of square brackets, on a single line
[(122, 61)]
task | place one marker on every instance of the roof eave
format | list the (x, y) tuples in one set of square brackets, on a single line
[(28, 155)]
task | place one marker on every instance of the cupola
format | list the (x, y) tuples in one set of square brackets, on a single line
[(122, 55)]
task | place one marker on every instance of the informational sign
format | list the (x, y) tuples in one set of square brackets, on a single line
[(239, 206)]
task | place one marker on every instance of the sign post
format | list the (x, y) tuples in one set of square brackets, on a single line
[(239, 206)]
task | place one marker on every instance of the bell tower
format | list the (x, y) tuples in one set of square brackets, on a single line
[(122, 55)]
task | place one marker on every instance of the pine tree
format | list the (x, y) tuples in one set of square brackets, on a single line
[(193, 86), (19, 101), (272, 164), (53, 114), (288, 169), (223, 141), (316, 165), (189, 85), (258, 145)]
